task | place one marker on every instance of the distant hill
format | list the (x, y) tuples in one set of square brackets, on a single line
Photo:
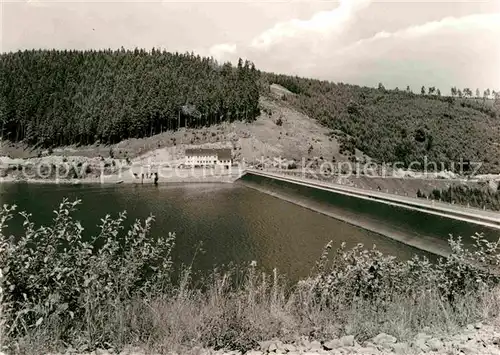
[(51, 98), (399, 126)]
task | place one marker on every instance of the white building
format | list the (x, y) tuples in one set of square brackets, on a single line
[(209, 157)]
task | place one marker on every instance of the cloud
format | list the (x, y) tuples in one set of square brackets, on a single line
[(223, 51), (453, 51), (324, 22), (486, 22), (450, 51), (356, 41)]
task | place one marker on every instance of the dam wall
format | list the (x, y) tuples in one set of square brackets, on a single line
[(416, 225)]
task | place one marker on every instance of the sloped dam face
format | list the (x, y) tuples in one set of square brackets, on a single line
[(421, 230)]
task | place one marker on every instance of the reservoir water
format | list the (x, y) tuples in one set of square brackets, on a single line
[(233, 223)]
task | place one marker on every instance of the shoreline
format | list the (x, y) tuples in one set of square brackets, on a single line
[(189, 176), (117, 180)]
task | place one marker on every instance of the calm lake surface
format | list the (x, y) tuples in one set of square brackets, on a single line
[(233, 222)]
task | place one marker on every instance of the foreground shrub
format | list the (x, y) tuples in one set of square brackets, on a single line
[(116, 289), (55, 276), (369, 275)]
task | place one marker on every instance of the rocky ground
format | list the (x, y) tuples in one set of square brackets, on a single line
[(478, 339)]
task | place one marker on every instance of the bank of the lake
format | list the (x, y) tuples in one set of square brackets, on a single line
[(133, 174)]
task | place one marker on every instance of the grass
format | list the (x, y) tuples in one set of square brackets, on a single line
[(224, 318), (118, 290)]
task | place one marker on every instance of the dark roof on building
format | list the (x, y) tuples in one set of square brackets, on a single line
[(198, 152), (222, 154)]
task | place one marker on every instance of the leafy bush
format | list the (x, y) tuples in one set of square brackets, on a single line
[(420, 135), (54, 273), (371, 276), (347, 146)]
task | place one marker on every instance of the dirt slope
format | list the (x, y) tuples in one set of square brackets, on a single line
[(278, 131)]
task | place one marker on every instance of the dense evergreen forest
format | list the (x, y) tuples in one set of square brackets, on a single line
[(51, 98), (401, 126), (54, 98)]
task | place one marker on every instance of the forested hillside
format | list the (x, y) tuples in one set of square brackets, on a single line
[(400, 126), (53, 98)]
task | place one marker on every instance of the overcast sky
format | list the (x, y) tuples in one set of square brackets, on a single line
[(364, 42)]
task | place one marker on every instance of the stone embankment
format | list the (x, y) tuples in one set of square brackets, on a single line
[(476, 339)]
